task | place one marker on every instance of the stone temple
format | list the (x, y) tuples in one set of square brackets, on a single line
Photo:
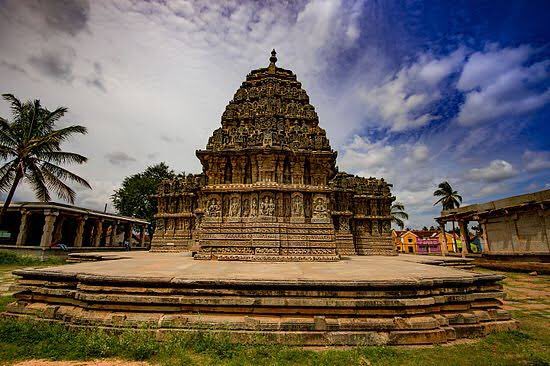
[(270, 196), (270, 189)]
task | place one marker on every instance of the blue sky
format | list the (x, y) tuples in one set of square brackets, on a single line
[(416, 92)]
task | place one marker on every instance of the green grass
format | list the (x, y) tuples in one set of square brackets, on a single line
[(27, 340), (10, 258)]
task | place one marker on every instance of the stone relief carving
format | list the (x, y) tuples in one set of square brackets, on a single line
[(344, 223), (320, 209), (267, 206), (213, 208), (246, 208), (235, 206), (160, 225), (297, 205), (254, 206)]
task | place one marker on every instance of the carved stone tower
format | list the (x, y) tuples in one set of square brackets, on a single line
[(270, 189)]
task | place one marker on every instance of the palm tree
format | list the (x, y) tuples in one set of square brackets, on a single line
[(398, 214), (31, 148), (449, 200)]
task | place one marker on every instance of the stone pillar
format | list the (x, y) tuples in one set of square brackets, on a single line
[(49, 225), (443, 241), (98, 231), (142, 236), (128, 233), (80, 231), (22, 236), (58, 232), (463, 225), (114, 228), (486, 246), (512, 229)]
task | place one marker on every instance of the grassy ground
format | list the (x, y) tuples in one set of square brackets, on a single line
[(528, 301)]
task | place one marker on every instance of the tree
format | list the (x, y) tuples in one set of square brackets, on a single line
[(449, 199), (398, 214), (30, 147), (133, 198)]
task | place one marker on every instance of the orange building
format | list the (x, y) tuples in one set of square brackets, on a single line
[(422, 241)]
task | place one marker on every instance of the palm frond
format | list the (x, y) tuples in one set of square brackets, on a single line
[(7, 174), (38, 183), (64, 174), (54, 116), (62, 190), (62, 157), (15, 104), (53, 139), (401, 215)]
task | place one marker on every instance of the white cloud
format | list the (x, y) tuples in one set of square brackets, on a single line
[(403, 101), (536, 160), (365, 156), (498, 84), (417, 154), (141, 74), (490, 189), (496, 171)]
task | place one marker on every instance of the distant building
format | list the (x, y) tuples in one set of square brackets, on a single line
[(518, 225), (422, 241), (31, 226)]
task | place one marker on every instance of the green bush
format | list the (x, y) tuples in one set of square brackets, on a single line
[(7, 257)]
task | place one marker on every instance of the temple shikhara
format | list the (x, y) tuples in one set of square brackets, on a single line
[(270, 189)]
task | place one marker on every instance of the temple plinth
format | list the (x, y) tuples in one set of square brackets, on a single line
[(270, 188)]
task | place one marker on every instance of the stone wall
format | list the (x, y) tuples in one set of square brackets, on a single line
[(520, 232)]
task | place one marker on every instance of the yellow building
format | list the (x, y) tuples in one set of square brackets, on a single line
[(414, 241)]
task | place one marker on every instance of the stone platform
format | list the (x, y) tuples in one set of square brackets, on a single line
[(355, 301)]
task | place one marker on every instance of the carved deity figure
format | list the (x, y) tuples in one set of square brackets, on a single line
[(320, 208), (253, 207), (235, 207), (267, 206), (213, 208), (246, 208), (297, 206), (344, 223)]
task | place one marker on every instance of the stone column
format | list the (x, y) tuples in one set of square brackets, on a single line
[(80, 231), (114, 228), (444, 250), (22, 236), (486, 246), (98, 231), (463, 225), (58, 232), (142, 236), (49, 225), (128, 233)]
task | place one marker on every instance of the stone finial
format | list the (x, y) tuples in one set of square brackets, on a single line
[(273, 57)]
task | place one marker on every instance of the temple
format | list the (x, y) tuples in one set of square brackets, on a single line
[(270, 188)]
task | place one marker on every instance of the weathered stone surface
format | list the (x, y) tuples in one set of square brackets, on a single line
[(358, 301)]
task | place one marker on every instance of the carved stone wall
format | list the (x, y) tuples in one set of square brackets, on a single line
[(270, 188)]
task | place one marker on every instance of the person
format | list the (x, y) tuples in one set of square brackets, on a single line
[(126, 244)]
